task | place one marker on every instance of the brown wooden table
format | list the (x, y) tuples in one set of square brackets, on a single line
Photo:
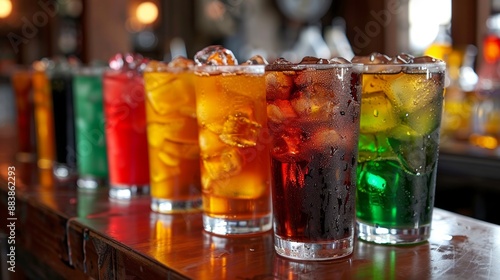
[(63, 233)]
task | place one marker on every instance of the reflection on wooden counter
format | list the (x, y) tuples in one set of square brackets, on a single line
[(62, 233)]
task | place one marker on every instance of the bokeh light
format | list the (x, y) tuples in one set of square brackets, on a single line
[(5, 8), (147, 12), (425, 21)]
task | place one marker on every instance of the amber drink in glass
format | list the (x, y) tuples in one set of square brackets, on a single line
[(235, 173), (174, 153), (44, 117)]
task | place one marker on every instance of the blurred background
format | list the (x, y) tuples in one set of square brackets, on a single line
[(464, 33), (95, 30)]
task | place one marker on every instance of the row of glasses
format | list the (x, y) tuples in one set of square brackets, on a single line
[(289, 134), (316, 150)]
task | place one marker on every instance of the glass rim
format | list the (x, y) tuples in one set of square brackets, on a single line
[(163, 67), (91, 70), (247, 69), (302, 66), (389, 68)]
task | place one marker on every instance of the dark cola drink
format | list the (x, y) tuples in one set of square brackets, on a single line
[(313, 117)]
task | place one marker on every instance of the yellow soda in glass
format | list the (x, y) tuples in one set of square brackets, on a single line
[(174, 154)]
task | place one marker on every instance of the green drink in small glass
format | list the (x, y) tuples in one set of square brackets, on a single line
[(89, 123), (401, 107)]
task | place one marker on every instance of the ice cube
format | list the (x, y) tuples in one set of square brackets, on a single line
[(280, 111), (375, 83), (411, 92), (312, 105), (425, 120), (165, 93), (169, 129), (209, 140), (160, 171), (224, 164), (181, 62), (417, 154), (311, 76), (380, 177), (278, 85), (185, 149), (240, 131), (281, 61), (338, 60), (325, 140), (215, 55), (374, 147), (402, 58), (168, 159), (313, 60), (247, 187), (281, 64), (377, 113), (287, 144), (426, 59), (256, 60), (373, 58), (128, 61), (155, 134)]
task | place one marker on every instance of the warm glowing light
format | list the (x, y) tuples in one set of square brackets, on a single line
[(5, 8), (487, 142), (147, 12)]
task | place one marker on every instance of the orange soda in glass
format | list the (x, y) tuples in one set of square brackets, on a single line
[(235, 172)]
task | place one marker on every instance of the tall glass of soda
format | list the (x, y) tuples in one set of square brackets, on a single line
[(398, 147), (174, 153), (235, 174), (313, 117), (44, 117), (89, 127), (125, 126)]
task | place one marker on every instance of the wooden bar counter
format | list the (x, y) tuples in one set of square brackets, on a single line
[(64, 233)]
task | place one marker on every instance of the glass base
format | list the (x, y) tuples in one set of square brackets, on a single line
[(128, 191), (324, 250), (90, 182), (63, 171), (222, 226), (167, 206), (382, 235)]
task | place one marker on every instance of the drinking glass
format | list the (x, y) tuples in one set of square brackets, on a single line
[(174, 153), (398, 149), (21, 81), (125, 127), (89, 123), (235, 175), (313, 117), (44, 117), (60, 74)]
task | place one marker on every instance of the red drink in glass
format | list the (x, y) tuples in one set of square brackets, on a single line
[(126, 135)]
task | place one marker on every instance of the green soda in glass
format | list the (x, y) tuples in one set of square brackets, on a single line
[(401, 108), (89, 123)]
